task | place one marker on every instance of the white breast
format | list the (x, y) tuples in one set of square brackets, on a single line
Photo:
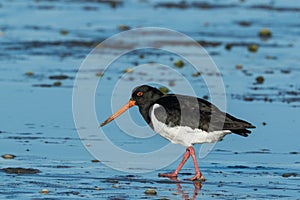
[(184, 135)]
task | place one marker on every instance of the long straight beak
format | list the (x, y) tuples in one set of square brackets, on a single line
[(119, 112)]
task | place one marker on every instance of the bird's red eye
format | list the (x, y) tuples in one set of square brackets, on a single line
[(139, 94)]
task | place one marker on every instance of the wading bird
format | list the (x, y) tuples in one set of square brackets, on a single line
[(183, 120)]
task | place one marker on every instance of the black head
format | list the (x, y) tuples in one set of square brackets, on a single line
[(142, 96), (145, 94)]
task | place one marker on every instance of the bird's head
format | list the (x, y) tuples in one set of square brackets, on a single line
[(145, 94), (141, 95)]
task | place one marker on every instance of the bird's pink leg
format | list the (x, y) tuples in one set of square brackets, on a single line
[(174, 174), (198, 174)]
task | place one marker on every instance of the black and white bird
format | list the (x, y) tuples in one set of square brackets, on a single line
[(184, 120)]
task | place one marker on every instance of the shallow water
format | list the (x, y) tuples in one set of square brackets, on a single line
[(51, 38)]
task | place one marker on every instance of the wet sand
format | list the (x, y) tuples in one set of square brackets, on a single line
[(40, 57)]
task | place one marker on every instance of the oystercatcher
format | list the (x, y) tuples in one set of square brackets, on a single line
[(183, 120)]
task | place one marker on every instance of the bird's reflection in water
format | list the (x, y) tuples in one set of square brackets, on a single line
[(186, 196)]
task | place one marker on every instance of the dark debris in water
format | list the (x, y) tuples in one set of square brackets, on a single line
[(59, 77), (44, 191), (245, 23), (286, 175), (8, 156), (270, 94), (209, 5), (54, 84), (60, 48), (124, 27), (29, 73), (27, 45), (164, 90), (261, 151), (179, 63), (111, 3), (150, 191), (24, 137), (20, 170), (260, 79), (43, 85), (254, 47), (57, 83), (205, 43), (198, 5), (274, 8), (63, 166), (265, 33), (238, 167)]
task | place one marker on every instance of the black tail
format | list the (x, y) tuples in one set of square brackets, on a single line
[(237, 126), (242, 132)]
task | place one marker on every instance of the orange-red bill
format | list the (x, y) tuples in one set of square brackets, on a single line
[(119, 112)]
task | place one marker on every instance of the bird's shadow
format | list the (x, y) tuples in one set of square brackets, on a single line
[(185, 195)]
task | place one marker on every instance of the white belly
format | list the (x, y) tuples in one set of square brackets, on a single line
[(184, 135)]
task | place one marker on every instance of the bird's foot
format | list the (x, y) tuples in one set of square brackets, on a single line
[(199, 177), (171, 175)]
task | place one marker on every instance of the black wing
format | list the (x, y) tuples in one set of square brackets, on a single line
[(198, 113)]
